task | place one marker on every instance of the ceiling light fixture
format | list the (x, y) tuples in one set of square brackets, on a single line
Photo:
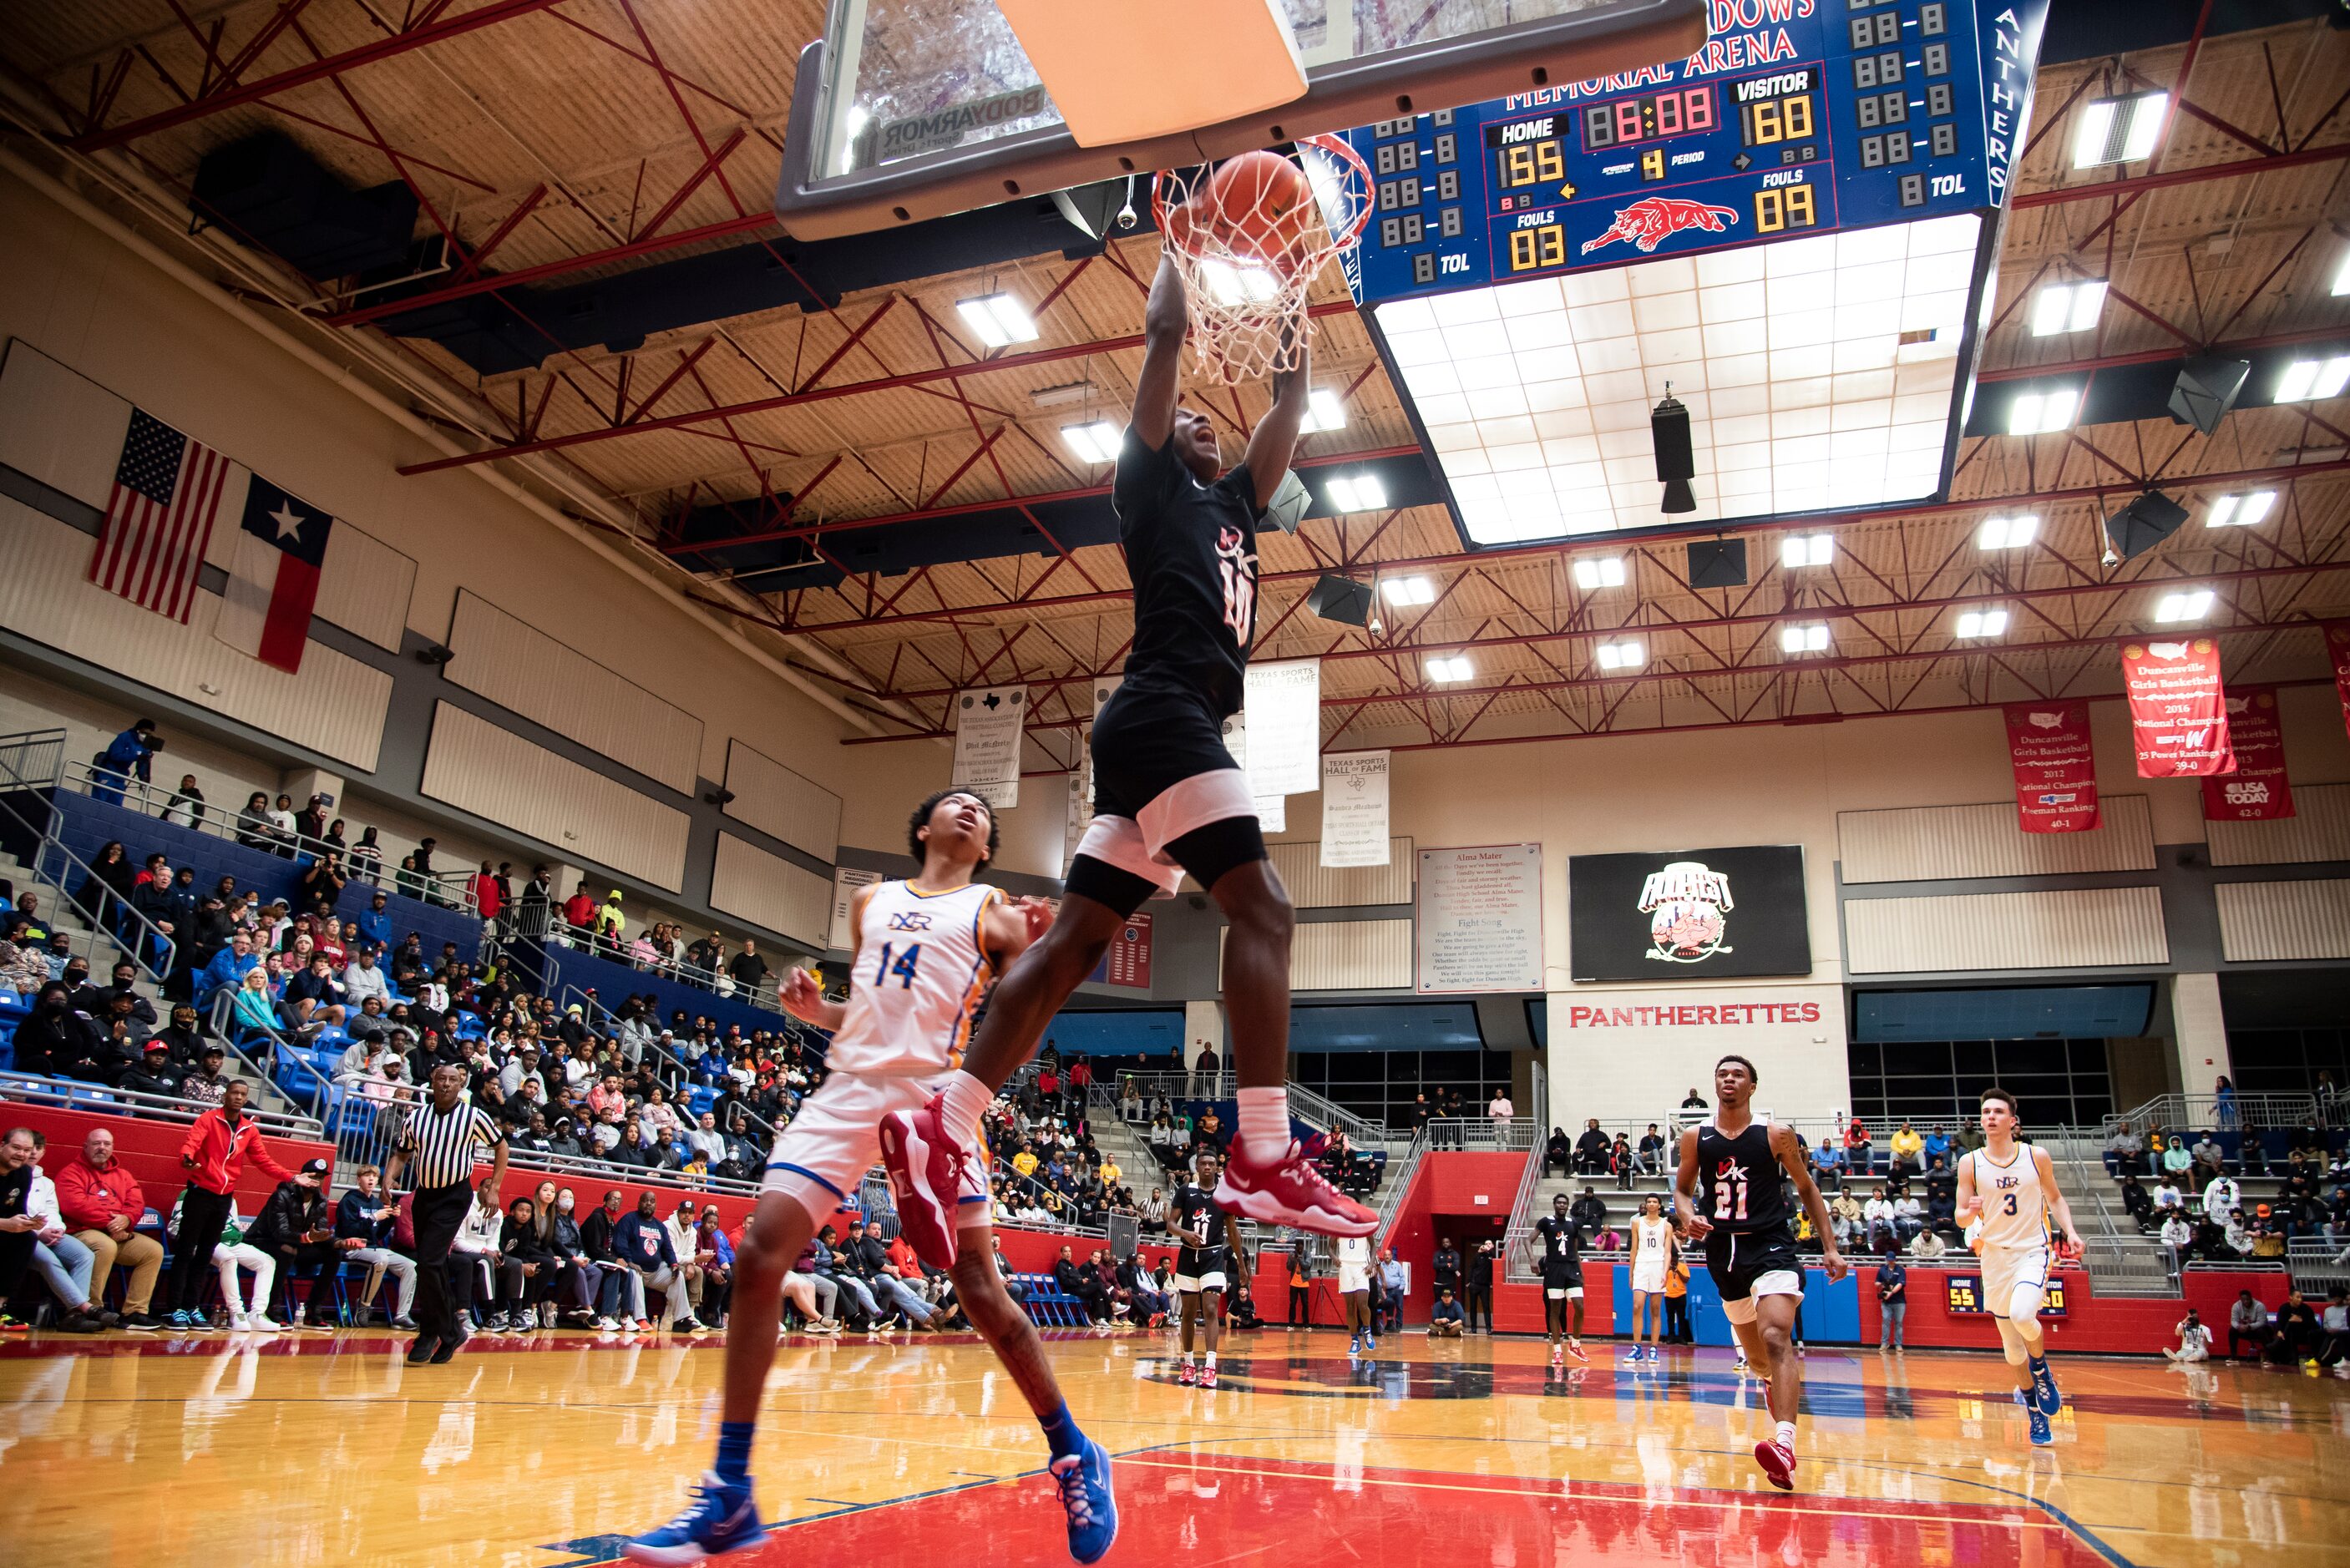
[(2067, 307), (2341, 284), (1812, 638), (1325, 411), (2037, 413), (999, 319), (2241, 511), (2308, 380), (2010, 532), (1066, 393), (1990, 622), (1807, 550), (1407, 590), (2187, 604), (1599, 572), (1095, 443), (1621, 655), (1450, 670), (2118, 130), (1357, 491)]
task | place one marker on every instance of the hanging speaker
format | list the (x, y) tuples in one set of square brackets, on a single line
[(1718, 564), (1668, 428), (2143, 524), (1342, 599), (2206, 390)]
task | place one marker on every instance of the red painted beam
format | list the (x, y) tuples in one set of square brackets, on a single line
[(1600, 541), (1799, 662), (317, 70), (2169, 351), (2136, 183)]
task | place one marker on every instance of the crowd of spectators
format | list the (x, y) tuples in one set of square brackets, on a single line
[(2190, 1194)]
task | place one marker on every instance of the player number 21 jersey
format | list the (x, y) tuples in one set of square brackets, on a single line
[(918, 975)]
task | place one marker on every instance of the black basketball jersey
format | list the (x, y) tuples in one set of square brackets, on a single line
[(1190, 550), (1741, 1185), (1562, 1252), (1195, 1209)]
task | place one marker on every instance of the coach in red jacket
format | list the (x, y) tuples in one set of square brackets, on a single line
[(215, 1154)]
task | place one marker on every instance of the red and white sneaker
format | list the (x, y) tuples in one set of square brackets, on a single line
[(1778, 1462), (1187, 1375), (1575, 1348), (1290, 1192), (925, 1166), (1206, 1378)]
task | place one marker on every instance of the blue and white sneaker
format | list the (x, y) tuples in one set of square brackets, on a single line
[(2044, 1388), (1354, 1346), (1370, 1342), (2042, 1436), (1086, 1494), (184, 1320), (719, 1520)]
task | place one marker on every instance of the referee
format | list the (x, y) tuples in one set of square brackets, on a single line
[(439, 1136)]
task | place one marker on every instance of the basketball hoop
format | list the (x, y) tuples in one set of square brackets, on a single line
[(1249, 249)]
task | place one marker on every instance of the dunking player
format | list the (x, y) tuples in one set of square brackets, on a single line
[(1559, 1243), (926, 949), (1170, 800), (1732, 1194), (2012, 1186), (1212, 1249)]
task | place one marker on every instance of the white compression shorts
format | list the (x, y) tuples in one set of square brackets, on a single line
[(1777, 1282)]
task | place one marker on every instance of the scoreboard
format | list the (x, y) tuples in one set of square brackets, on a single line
[(1799, 117), (1965, 1297)]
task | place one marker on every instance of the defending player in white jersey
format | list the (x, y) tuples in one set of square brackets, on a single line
[(2011, 1188), (926, 950)]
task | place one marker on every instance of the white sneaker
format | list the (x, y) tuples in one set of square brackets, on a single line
[(606, 1325), (259, 1320), (239, 1321)]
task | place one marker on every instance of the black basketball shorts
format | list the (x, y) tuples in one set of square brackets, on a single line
[(1750, 1263), (1168, 799)]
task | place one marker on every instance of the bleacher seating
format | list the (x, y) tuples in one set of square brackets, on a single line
[(611, 981), (85, 825)]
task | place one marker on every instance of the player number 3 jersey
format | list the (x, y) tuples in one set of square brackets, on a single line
[(919, 973), (2015, 1205)]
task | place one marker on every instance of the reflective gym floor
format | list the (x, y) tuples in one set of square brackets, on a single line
[(312, 1448)]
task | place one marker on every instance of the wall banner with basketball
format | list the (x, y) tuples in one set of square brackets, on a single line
[(2257, 791), (2337, 654), (2179, 723), (988, 725), (1688, 914), (2055, 772)]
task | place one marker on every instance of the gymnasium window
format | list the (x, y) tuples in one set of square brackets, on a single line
[(1381, 1083), (2061, 1081), (2287, 1061)]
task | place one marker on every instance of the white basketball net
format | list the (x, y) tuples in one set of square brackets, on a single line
[(1247, 310)]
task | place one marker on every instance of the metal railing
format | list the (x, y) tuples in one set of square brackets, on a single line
[(1398, 1182), (150, 950), (2175, 1113), (604, 1021), (1522, 1216), (2318, 1268), (449, 889), (766, 995), (34, 756), (233, 1034), (72, 1095), (1304, 1102)]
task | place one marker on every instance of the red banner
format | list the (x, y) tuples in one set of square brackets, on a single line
[(2337, 654), (2179, 723), (2055, 775), (2257, 791)]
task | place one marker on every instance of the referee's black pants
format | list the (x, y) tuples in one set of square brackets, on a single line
[(202, 1214), (437, 1213)]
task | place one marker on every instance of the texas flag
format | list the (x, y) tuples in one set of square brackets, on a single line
[(272, 576)]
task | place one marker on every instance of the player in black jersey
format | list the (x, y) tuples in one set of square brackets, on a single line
[(1211, 1250), (1168, 798), (1732, 1195), (1557, 1245)]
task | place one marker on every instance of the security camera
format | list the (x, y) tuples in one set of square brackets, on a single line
[(1377, 627)]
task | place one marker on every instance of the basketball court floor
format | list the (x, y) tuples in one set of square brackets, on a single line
[(305, 1448)]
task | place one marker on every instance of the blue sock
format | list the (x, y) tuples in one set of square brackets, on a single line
[(1061, 1434), (735, 1451), (2038, 1365)]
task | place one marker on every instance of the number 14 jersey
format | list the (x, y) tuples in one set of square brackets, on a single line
[(1740, 1187), (919, 974)]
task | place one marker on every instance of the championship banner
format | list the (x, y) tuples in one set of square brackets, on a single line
[(1080, 810), (987, 743), (2055, 774), (2337, 654), (1283, 703), (1271, 808), (1355, 808), (2257, 791), (2179, 722), (845, 881)]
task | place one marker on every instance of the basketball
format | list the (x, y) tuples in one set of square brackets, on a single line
[(1262, 205)]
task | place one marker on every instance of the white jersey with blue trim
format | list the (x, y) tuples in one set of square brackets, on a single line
[(2014, 1201), (919, 974)]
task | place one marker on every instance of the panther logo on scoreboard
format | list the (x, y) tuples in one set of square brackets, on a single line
[(1686, 903), (1652, 220)]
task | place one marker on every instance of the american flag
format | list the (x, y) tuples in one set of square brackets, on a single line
[(159, 519)]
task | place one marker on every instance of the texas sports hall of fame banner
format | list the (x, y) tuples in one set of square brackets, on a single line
[(1688, 914)]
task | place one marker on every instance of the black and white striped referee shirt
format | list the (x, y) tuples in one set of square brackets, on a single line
[(440, 1144)]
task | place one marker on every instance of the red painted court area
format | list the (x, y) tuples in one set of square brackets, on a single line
[(1208, 1509)]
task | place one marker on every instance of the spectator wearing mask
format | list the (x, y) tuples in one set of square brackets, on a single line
[(186, 804), (364, 1223), (527, 1266), (56, 1041), (620, 1291), (130, 755)]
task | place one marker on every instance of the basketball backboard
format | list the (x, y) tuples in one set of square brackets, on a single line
[(908, 110)]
